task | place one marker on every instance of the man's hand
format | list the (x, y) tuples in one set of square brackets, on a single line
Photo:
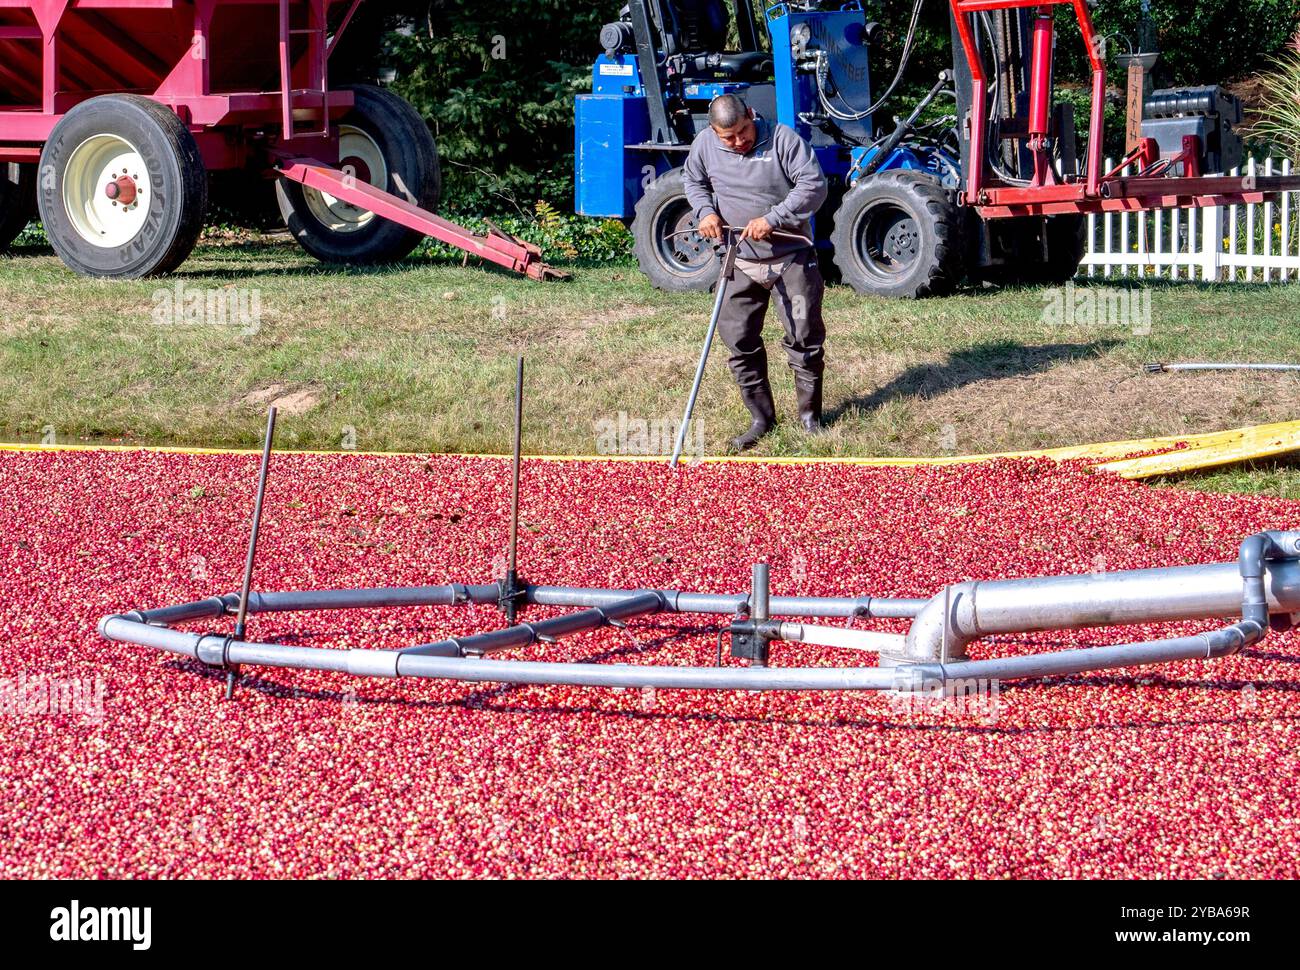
[(710, 227), (758, 229)]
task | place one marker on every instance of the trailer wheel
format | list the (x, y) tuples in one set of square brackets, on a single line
[(898, 234), (674, 263), (384, 142), (17, 200), (130, 192)]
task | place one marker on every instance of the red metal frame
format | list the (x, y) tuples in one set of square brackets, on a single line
[(182, 53), (212, 62), (497, 247), (1047, 193)]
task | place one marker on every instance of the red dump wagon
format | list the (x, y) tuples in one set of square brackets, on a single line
[(113, 112)]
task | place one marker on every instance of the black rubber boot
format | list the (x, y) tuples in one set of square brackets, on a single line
[(758, 400), (809, 395)]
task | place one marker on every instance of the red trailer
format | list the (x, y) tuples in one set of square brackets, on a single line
[(113, 112)]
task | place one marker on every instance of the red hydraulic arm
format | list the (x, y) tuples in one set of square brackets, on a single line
[(497, 247), (1049, 194)]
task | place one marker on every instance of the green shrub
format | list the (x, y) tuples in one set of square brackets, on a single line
[(1280, 122), (563, 238)]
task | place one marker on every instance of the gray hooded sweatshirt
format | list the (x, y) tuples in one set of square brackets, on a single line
[(780, 180)]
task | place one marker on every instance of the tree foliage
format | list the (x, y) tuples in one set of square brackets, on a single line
[(497, 80)]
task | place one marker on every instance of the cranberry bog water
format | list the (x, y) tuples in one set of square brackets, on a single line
[(125, 762)]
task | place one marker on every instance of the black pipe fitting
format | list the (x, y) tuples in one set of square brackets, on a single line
[(1255, 551), (512, 596), (751, 639)]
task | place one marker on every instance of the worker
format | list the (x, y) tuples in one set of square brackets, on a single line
[(745, 171)]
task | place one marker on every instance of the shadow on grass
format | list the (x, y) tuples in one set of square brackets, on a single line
[(244, 259), (239, 269), (985, 361)]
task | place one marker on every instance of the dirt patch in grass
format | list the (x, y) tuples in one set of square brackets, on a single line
[(985, 404), (290, 400)]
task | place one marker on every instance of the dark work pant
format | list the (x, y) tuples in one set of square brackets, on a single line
[(798, 297)]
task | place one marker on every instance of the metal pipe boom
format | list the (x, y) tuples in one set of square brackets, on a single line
[(1263, 587)]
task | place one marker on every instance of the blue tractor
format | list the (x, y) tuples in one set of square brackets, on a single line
[(891, 224)]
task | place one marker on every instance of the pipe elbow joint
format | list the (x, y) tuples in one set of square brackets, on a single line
[(1234, 639), (1251, 554), (945, 625)]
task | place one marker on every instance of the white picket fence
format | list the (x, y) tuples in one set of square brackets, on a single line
[(1250, 243)]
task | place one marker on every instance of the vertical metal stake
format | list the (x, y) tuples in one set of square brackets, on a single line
[(241, 619), (759, 608), (512, 563)]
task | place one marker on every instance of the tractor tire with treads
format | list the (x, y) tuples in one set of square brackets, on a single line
[(17, 200), (676, 263), (142, 151), (384, 142), (899, 234)]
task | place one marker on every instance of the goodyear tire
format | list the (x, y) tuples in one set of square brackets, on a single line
[(143, 150), (898, 234), (384, 142), (677, 263), (17, 200)]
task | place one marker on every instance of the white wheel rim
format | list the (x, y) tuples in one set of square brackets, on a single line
[(335, 214), (97, 218)]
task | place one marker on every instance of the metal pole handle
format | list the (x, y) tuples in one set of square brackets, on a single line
[(699, 369)]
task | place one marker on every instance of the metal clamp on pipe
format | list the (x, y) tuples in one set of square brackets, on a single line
[(752, 636), (511, 596), (213, 650)]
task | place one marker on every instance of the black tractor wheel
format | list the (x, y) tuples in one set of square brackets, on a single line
[(677, 263), (384, 142), (17, 200), (898, 234), (128, 192)]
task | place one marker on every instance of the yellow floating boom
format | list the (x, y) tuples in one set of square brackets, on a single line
[(1175, 454)]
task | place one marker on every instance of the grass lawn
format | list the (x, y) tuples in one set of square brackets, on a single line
[(420, 357)]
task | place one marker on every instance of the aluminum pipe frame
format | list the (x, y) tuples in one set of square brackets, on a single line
[(1264, 581), (459, 658), (1263, 587)]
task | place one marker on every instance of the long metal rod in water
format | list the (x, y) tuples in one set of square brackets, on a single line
[(688, 602), (732, 234), (242, 616), (210, 649), (699, 368), (512, 562)]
